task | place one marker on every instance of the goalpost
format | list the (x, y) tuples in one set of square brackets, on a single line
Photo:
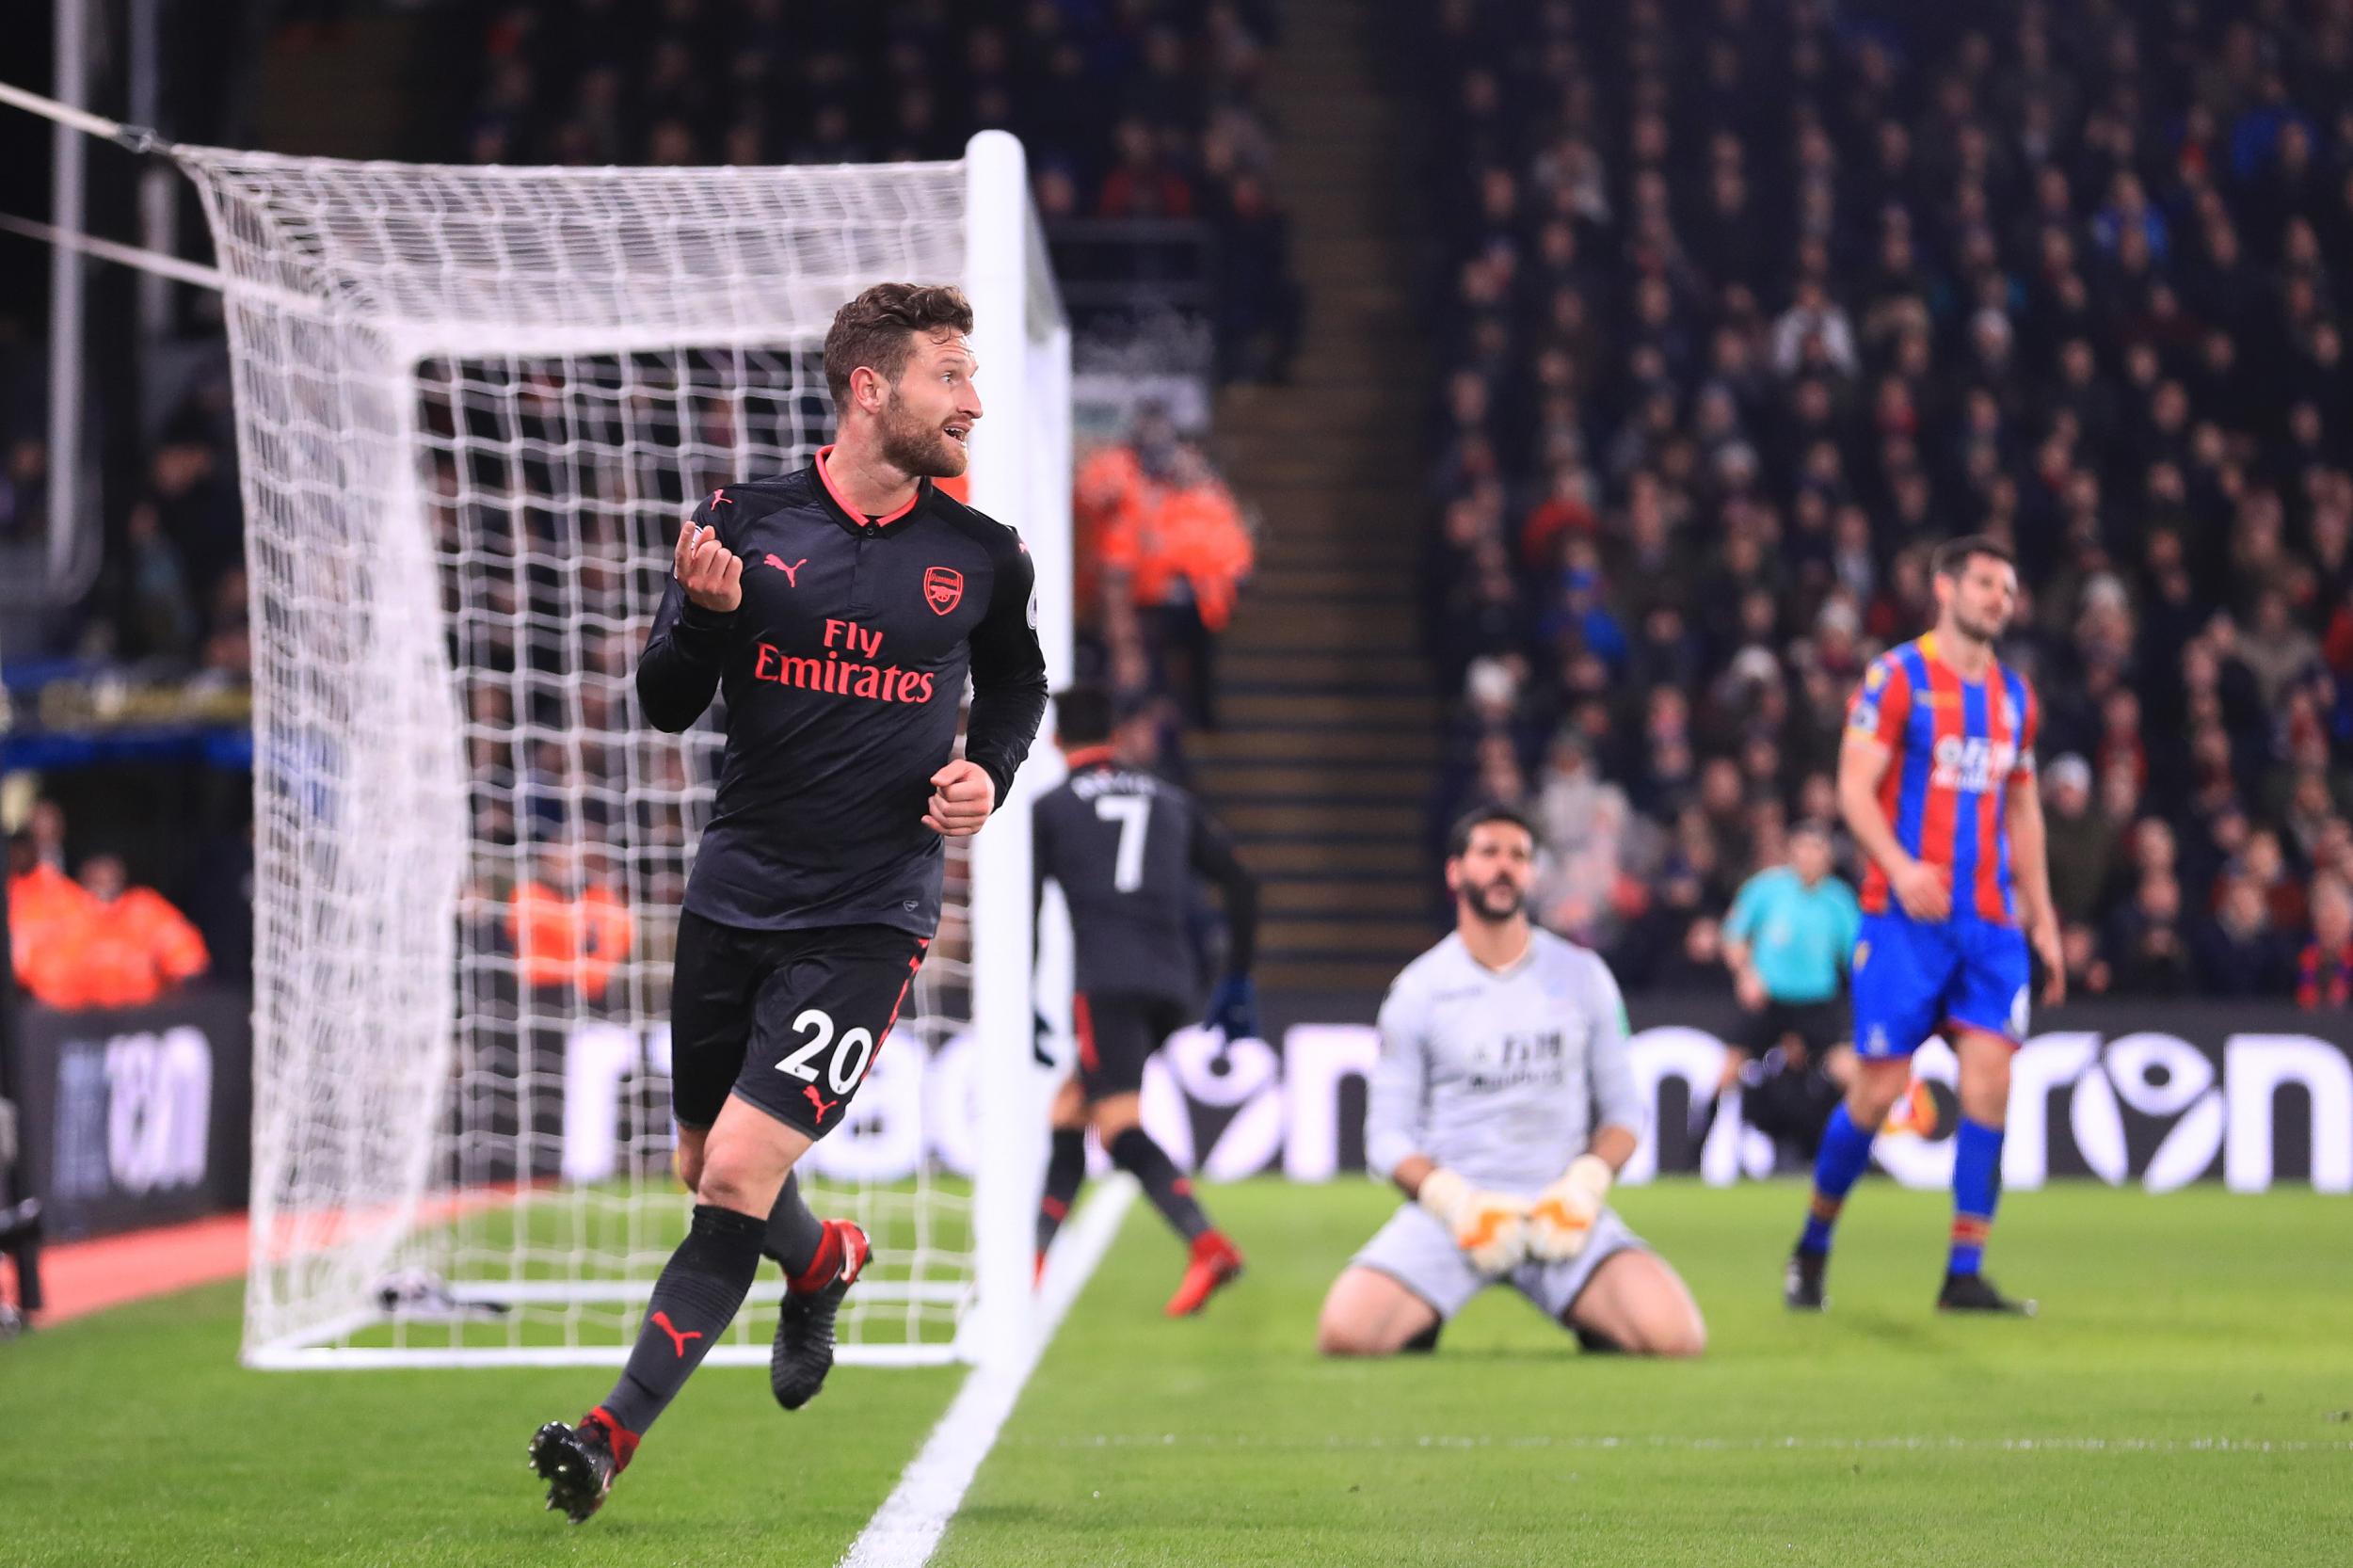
[(472, 405)]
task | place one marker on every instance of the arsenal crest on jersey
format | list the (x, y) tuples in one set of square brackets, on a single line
[(943, 588)]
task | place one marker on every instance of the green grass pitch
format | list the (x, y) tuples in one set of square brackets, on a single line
[(2182, 1399)]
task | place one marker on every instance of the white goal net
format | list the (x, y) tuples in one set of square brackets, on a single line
[(473, 406)]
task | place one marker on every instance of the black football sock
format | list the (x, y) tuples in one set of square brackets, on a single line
[(1134, 1152), (694, 1301), (794, 1234), (1064, 1171)]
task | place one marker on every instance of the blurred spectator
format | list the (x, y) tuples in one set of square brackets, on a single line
[(570, 931), (2088, 972), (2324, 971), (42, 900), (122, 946), (2148, 955), (1144, 183), (1260, 308), (1177, 551), (2082, 842), (2238, 952)]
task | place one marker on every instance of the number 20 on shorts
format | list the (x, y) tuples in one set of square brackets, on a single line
[(846, 1065)]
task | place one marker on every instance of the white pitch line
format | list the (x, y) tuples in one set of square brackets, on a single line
[(1603, 1444), (905, 1530)]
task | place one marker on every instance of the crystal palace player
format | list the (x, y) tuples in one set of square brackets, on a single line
[(837, 609), (1124, 845), (1502, 1106), (1936, 780)]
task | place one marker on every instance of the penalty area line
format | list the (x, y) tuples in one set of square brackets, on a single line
[(905, 1530)]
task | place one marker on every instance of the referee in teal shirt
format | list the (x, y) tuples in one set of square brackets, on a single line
[(1788, 939)]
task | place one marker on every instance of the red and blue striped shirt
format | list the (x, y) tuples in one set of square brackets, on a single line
[(1958, 746)]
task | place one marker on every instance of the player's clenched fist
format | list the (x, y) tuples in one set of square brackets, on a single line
[(962, 796), (1561, 1221), (1490, 1227), (711, 574)]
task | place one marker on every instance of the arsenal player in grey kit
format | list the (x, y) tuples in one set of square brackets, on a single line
[(837, 609)]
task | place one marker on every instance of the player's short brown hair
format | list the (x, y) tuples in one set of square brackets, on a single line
[(1953, 556), (877, 329), (1458, 839)]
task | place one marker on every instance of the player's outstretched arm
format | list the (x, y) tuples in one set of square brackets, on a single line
[(1008, 673), (679, 672)]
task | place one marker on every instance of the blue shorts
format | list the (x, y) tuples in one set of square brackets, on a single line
[(1911, 979)]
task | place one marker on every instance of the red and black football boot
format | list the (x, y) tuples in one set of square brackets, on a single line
[(1216, 1263), (579, 1464), (803, 1352)]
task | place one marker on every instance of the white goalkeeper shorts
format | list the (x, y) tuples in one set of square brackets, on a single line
[(1417, 1252)]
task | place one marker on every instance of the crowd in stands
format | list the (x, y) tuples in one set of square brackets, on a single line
[(1742, 307), (1129, 109)]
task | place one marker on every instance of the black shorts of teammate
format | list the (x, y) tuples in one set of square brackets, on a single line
[(1817, 1025), (790, 1020), (1118, 1031)]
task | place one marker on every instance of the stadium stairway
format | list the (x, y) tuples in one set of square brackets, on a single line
[(1324, 762)]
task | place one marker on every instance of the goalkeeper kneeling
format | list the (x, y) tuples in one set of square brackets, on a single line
[(1502, 1106)]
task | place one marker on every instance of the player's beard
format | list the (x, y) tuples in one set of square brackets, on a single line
[(916, 449), (1987, 630), (1494, 901)]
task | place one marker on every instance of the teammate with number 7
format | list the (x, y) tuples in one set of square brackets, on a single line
[(837, 609), (1124, 845)]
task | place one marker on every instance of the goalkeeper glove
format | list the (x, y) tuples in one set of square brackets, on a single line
[(1234, 1008), (1490, 1227), (1561, 1221)]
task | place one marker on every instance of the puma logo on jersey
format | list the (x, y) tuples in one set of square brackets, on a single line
[(820, 1101), (793, 573), (661, 1322)]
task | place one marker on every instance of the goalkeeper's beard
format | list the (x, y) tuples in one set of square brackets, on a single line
[(1496, 902), (917, 450)]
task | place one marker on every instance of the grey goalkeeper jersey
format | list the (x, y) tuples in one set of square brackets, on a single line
[(1501, 1077)]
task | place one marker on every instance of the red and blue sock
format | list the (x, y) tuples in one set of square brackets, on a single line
[(1976, 1187), (1845, 1155)]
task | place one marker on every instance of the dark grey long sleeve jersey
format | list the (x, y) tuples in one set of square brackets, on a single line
[(843, 670)]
